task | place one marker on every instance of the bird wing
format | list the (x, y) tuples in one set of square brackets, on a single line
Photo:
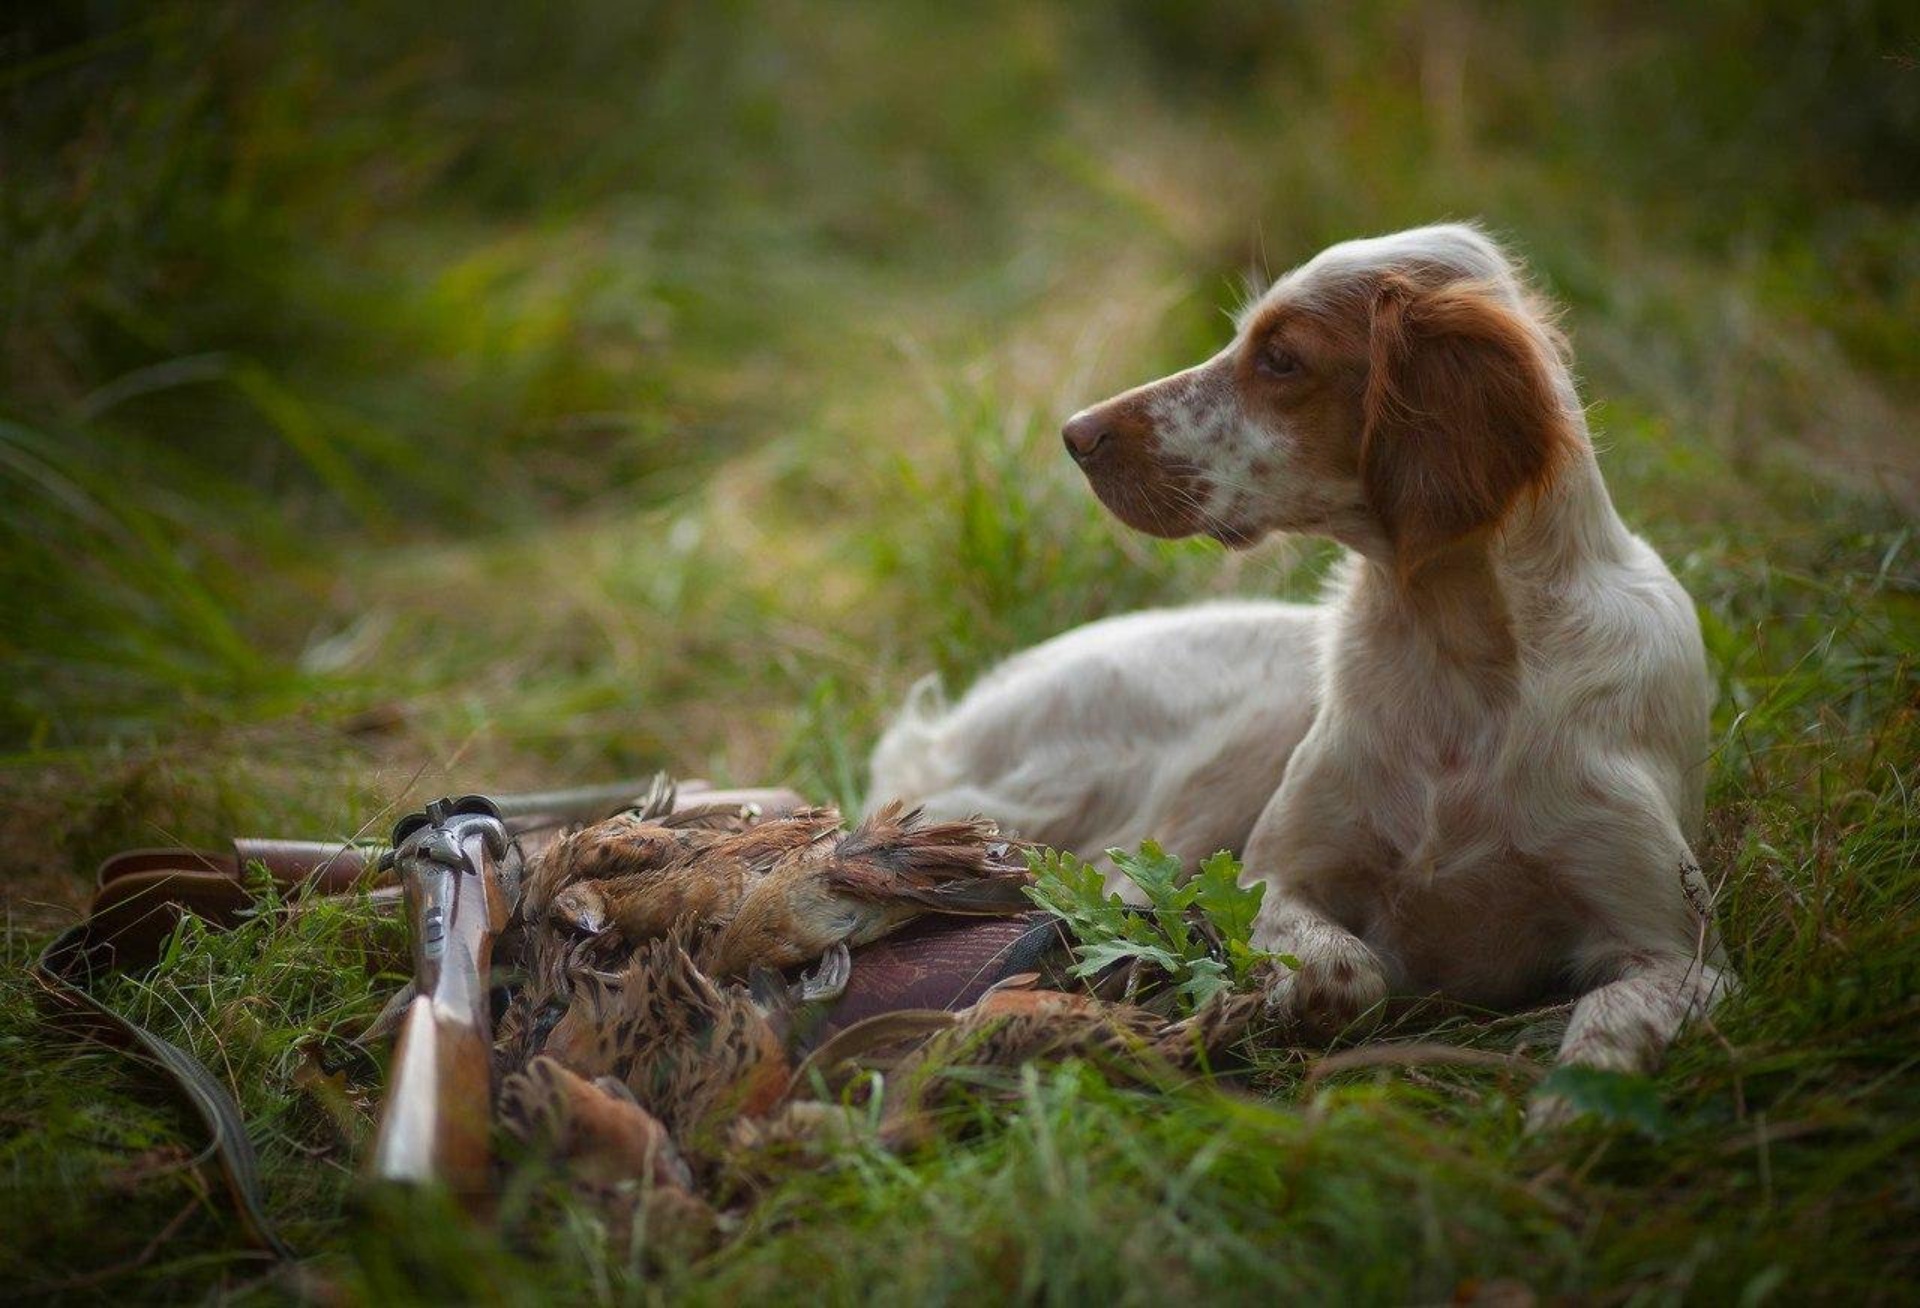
[(628, 847), (766, 843)]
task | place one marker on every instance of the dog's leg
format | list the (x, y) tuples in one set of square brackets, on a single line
[(1627, 1024), (1338, 979)]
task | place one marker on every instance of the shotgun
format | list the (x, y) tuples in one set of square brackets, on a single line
[(461, 879)]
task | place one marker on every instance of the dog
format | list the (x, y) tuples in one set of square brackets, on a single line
[(1476, 768)]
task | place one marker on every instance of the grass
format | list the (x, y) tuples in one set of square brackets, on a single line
[(393, 409)]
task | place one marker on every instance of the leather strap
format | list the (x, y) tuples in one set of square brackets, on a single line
[(63, 972), (141, 898)]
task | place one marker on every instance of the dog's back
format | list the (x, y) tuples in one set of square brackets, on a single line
[(1170, 724)]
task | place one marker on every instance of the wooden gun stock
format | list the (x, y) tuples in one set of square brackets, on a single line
[(460, 882)]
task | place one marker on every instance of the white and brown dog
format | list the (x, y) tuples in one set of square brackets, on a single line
[(1475, 769)]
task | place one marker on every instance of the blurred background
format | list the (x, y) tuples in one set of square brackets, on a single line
[(399, 398)]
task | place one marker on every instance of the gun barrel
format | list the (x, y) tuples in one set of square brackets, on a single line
[(592, 803)]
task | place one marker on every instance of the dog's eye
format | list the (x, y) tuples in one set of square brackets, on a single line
[(1275, 361)]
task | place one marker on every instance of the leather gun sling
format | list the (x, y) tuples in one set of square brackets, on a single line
[(140, 898)]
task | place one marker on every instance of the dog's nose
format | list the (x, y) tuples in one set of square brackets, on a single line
[(1084, 434)]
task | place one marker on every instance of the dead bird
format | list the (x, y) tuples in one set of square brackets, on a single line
[(628, 842), (554, 962), (613, 1153), (786, 890), (691, 1050), (548, 972), (643, 879), (592, 1126)]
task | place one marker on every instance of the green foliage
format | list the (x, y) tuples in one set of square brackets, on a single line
[(1079, 1193), (1612, 1097), (1197, 930)]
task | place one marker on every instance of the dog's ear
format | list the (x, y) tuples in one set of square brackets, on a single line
[(1461, 415)]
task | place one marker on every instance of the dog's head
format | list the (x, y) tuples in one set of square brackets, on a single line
[(1398, 394)]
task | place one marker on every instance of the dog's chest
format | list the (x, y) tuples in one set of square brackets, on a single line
[(1428, 866)]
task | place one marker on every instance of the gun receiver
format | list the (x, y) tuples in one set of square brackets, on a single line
[(461, 881)]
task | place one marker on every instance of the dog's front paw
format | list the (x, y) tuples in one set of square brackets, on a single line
[(1338, 982)]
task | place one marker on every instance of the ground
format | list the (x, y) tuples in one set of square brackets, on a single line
[(394, 409)]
